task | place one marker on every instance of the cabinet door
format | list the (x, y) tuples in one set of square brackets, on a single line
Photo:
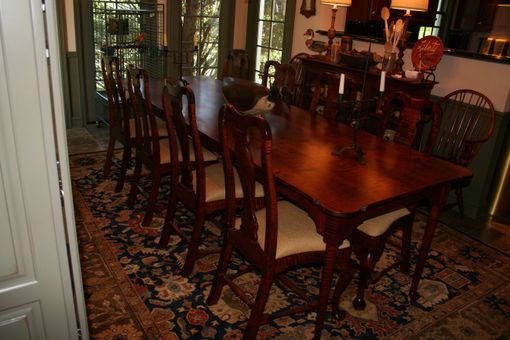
[(370, 10), (486, 14)]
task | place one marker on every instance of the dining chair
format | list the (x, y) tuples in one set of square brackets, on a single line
[(196, 175), (467, 122), (272, 239), (296, 62), (152, 150), (412, 122), (152, 143), (237, 65), (281, 80), (121, 127), (325, 97)]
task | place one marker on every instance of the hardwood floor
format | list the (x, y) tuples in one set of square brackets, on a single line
[(494, 234)]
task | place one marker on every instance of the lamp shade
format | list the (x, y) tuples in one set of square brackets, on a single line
[(345, 3), (411, 5)]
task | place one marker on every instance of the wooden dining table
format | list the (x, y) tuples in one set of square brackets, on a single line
[(338, 192)]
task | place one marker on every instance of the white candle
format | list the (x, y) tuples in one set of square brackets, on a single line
[(383, 80), (342, 83)]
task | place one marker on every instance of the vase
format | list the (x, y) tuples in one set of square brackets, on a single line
[(388, 63)]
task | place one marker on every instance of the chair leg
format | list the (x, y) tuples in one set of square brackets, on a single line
[(126, 157), (151, 201), (196, 236), (134, 182), (257, 311), (169, 219), (460, 200), (109, 156), (405, 249), (359, 301), (221, 272), (367, 263), (344, 278)]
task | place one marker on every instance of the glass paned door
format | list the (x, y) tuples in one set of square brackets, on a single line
[(271, 27), (200, 37)]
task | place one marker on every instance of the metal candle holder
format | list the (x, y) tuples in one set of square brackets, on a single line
[(359, 155)]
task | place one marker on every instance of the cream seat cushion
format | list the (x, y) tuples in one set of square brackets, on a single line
[(164, 152), (215, 184), (162, 131), (296, 231), (378, 225)]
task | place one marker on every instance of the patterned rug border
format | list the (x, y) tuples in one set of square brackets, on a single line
[(136, 304)]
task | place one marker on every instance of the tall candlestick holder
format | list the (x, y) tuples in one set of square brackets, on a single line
[(358, 107), (402, 46)]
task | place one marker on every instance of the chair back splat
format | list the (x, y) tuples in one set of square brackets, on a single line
[(281, 81), (237, 65), (410, 121), (272, 239)]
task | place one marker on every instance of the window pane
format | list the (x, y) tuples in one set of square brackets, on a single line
[(277, 34), (210, 30), (275, 55), (209, 55), (265, 6), (211, 8), (264, 55), (210, 72), (279, 10), (264, 33)]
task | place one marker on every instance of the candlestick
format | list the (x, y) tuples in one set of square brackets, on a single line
[(342, 83), (382, 82)]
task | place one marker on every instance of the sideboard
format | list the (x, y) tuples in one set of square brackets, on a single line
[(313, 66)]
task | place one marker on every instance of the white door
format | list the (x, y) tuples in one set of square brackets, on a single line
[(36, 251)]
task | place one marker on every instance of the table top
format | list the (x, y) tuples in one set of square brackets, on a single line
[(302, 157)]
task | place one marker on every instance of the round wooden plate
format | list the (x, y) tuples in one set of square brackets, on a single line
[(427, 53)]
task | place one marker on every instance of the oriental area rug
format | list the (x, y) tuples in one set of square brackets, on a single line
[(134, 290)]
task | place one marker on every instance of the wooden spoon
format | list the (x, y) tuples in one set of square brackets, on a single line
[(399, 27), (385, 15)]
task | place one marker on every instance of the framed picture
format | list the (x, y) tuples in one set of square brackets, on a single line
[(307, 8)]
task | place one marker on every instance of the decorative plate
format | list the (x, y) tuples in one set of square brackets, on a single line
[(427, 53)]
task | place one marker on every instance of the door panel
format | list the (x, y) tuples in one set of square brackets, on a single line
[(22, 322), (36, 294)]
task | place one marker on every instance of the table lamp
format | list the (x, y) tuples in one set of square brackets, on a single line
[(335, 4), (408, 6)]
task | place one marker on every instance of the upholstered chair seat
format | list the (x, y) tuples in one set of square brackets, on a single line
[(215, 184), (296, 231), (377, 226)]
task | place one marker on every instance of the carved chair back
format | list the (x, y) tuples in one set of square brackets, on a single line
[(411, 121), (325, 97), (237, 65), (247, 138), (281, 80)]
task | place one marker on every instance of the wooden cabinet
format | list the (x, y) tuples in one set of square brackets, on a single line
[(474, 15), (486, 15), (370, 10)]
